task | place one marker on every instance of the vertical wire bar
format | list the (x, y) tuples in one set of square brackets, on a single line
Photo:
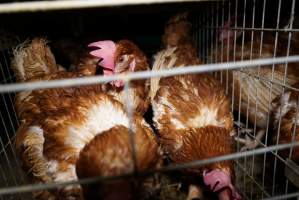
[(8, 114), (240, 76), (293, 139), (273, 71), (7, 160), (286, 64), (227, 49), (208, 35), (11, 101), (7, 110), (7, 134), (10, 119), (294, 131), (217, 30), (199, 35), (212, 32), (205, 35), (4, 179), (3, 176), (208, 30), (13, 152), (221, 57), (6, 106), (195, 32), (256, 93), (234, 59), (268, 113), (202, 35)]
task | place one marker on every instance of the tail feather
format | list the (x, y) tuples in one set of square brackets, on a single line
[(32, 60)]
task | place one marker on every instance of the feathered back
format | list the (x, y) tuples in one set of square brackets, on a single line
[(200, 143), (179, 50), (191, 101), (110, 154), (32, 60)]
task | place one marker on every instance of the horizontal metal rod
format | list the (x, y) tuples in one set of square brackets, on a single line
[(77, 4), (285, 196), (230, 156), (35, 187), (15, 87)]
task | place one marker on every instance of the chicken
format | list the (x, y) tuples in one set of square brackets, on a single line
[(193, 118), (120, 58), (192, 114), (110, 154), (252, 95), (58, 123), (178, 49), (286, 121)]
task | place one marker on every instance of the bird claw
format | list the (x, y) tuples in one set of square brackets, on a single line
[(194, 192), (249, 144), (242, 129)]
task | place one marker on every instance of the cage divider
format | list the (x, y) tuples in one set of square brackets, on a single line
[(9, 95)]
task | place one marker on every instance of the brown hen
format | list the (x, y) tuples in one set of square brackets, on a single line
[(194, 120), (250, 87), (110, 154), (58, 123), (191, 110)]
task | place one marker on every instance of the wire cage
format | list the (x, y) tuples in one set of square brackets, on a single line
[(259, 25)]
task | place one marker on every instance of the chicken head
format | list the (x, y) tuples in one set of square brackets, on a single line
[(220, 181), (115, 58)]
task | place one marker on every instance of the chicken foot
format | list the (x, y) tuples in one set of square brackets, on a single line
[(194, 192), (249, 143)]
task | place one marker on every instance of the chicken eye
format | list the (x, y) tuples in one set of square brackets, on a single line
[(121, 59)]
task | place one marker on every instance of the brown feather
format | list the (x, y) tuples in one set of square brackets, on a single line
[(285, 112), (255, 93), (110, 154)]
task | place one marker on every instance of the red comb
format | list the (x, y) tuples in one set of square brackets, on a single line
[(106, 52)]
